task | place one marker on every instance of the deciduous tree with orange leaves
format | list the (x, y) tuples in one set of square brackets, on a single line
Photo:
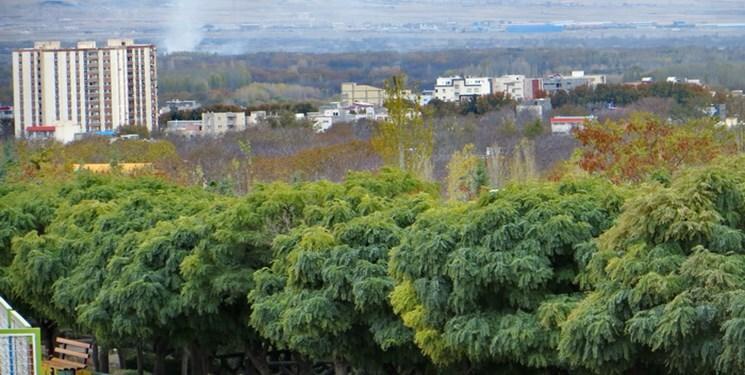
[(631, 150)]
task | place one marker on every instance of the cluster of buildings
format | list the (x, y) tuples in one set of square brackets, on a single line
[(367, 102), (70, 92), (519, 87), (358, 102), (363, 101), (344, 111)]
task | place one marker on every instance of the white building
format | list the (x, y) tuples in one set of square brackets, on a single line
[(456, 88), (517, 86), (535, 108), (215, 123), (592, 79), (211, 124), (730, 122), (188, 128), (255, 117), (674, 80), (426, 97), (321, 123), (565, 124), (333, 109), (578, 78), (6, 112), (335, 112), (532, 88), (352, 93), (360, 111), (88, 87), (176, 105), (62, 132), (687, 81)]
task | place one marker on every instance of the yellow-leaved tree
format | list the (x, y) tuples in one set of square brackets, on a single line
[(466, 174), (405, 139)]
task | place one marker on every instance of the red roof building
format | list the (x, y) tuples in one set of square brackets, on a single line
[(40, 129)]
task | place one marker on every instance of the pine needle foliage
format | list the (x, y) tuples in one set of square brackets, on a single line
[(490, 282), (667, 282), (326, 294), (107, 261), (377, 275)]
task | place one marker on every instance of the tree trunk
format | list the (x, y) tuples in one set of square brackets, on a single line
[(103, 359), (160, 357), (258, 360), (390, 368), (50, 333), (304, 366), (340, 368), (140, 361), (401, 157), (122, 358), (199, 360), (96, 359), (185, 361)]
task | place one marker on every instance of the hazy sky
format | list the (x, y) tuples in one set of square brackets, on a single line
[(178, 23), (381, 10)]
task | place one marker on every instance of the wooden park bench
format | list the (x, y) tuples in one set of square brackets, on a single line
[(71, 355)]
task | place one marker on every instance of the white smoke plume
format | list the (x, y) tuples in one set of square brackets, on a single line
[(184, 32)]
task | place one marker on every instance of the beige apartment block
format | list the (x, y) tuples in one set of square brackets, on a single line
[(215, 123), (92, 88), (353, 93)]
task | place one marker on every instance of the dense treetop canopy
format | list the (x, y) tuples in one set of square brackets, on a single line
[(489, 282), (665, 289), (326, 293), (378, 274)]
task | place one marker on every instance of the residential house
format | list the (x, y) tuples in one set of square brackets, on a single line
[(457, 88), (215, 123), (558, 82)]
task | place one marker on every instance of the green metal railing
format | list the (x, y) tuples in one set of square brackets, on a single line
[(20, 344)]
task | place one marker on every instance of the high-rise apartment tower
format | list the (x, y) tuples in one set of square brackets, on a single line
[(66, 91)]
